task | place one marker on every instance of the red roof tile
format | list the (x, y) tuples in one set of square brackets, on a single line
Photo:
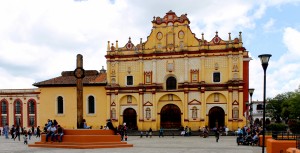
[(92, 77)]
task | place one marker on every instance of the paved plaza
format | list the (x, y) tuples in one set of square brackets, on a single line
[(167, 144)]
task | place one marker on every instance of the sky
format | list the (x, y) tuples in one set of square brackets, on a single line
[(41, 38)]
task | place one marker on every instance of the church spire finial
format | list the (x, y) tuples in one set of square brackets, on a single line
[(240, 36), (117, 45)]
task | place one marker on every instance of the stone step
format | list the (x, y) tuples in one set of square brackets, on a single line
[(82, 143), (86, 138), (87, 132), (79, 146)]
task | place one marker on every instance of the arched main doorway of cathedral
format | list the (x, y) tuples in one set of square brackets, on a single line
[(170, 116), (129, 117), (216, 117)]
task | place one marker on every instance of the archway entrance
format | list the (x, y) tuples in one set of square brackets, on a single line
[(216, 117), (170, 116), (129, 117)]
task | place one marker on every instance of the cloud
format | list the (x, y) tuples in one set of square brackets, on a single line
[(40, 39), (283, 73), (9, 81), (291, 39), (268, 26)]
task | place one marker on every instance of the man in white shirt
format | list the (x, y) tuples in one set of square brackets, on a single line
[(51, 132)]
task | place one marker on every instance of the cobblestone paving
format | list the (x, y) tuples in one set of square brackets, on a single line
[(155, 144)]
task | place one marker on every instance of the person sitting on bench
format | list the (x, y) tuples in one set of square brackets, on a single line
[(85, 125), (51, 132), (59, 133)]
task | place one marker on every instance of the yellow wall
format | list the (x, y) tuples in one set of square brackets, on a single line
[(154, 55), (48, 106)]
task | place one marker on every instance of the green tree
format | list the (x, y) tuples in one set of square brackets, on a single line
[(276, 106), (294, 106)]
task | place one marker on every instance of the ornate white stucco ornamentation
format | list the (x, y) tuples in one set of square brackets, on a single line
[(161, 70), (148, 113), (147, 97), (235, 96), (148, 66), (235, 63), (195, 63), (112, 98), (134, 66), (179, 69), (221, 60), (193, 95), (113, 64)]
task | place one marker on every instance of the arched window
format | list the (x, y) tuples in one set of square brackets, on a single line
[(18, 107), (60, 105), (4, 113), (113, 113), (194, 112), (91, 105), (31, 113), (171, 83), (18, 112), (148, 113), (235, 113), (31, 107)]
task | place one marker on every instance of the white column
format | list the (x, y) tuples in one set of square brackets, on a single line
[(25, 114), (154, 75), (11, 112), (186, 71), (230, 77), (240, 65)]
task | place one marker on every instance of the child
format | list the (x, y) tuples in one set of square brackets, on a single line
[(25, 139)]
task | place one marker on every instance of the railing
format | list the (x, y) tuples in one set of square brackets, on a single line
[(298, 142), (283, 135)]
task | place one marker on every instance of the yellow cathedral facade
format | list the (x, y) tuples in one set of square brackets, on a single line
[(172, 79)]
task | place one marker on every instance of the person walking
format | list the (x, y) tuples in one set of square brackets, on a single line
[(29, 134), (25, 139), (17, 133), (217, 134), (33, 131), (38, 132), (161, 132), (12, 131), (6, 130), (150, 133)]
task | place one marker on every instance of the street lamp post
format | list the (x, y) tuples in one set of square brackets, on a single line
[(264, 58), (251, 91)]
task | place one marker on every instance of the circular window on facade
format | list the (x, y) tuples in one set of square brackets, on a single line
[(180, 34), (159, 36), (129, 45)]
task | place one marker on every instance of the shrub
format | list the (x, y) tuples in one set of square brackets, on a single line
[(276, 127), (294, 126)]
